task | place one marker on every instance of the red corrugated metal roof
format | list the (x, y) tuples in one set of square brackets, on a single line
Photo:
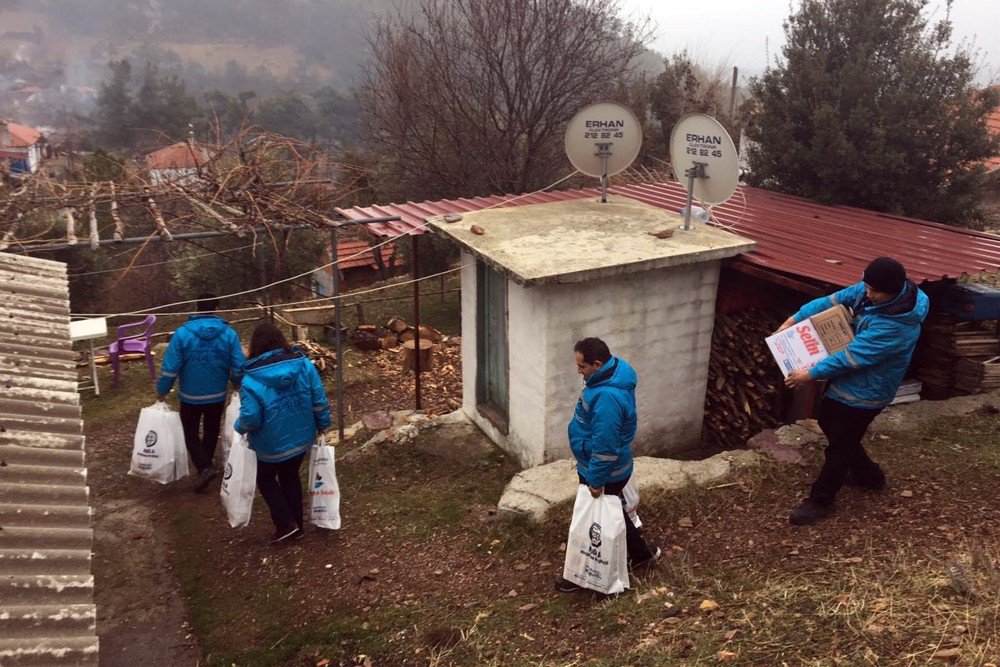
[(831, 244)]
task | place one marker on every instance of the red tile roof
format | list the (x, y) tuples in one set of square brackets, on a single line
[(348, 248), (831, 244), (182, 155), (22, 136)]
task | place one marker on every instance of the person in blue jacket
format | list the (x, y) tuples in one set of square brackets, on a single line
[(205, 355), (864, 377), (601, 434), (283, 407)]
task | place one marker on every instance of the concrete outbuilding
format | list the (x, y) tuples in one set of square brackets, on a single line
[(540, 277)]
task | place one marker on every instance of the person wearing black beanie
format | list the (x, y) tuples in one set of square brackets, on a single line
[(864, 377)]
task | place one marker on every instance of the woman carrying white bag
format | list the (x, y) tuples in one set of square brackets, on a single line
[(283, 408)]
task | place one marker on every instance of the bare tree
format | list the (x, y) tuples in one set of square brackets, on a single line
[(470, 97)]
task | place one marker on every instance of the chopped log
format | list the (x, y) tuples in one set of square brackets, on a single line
[(389, 340), (426, 333), (426, 354), (397, 325)]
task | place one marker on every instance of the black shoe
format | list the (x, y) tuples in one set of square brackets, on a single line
[(809, 512), (564, 586), (876, 484), (649, 562), (282, 534), (204, 477), (299, 533)]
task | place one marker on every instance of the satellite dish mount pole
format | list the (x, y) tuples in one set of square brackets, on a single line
[(697, 170), (604, 152)]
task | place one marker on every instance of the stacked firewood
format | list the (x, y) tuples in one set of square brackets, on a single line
[(396, 331), (745, 389), (950, 351), (323, 359), (975, 375)]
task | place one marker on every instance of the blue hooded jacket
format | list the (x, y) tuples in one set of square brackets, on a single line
[(867, 373), (205, 353), (604, 424), (283, 405)]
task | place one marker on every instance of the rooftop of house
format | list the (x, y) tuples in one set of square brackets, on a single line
[(583, 239), (182, 155), (21, 136)]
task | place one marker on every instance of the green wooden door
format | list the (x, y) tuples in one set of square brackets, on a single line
[(491, 337)]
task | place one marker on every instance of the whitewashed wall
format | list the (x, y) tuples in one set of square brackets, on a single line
[(659, 321)]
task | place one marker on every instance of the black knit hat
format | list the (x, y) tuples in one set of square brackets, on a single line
[(886, 275)]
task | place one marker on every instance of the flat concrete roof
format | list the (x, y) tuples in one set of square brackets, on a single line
[(583, 239)]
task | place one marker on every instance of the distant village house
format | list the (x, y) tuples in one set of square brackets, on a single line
[(177, 163), (21, 148)]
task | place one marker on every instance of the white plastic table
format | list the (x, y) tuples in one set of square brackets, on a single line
[(89, 330)]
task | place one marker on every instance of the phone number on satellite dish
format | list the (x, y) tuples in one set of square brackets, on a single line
[(704, 145), (602, 129)]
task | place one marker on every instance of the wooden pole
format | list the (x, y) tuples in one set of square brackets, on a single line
[(416, 317), (339, 345)]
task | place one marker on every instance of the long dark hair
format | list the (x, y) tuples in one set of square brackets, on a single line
[(267, 337)]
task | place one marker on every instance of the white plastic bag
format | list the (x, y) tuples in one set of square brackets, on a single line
[(239, 481), (158, 438), (229, 433), (324, 491), (630, 494), (596, 554)]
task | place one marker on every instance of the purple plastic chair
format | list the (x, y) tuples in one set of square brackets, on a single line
[(139, 342)]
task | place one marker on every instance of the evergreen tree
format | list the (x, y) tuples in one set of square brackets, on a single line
[(114, 106), (163, 106), (871, 106)]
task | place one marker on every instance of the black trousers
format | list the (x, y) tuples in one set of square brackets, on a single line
[(844, 426), (281, 488), (201, 444), (638, 550)]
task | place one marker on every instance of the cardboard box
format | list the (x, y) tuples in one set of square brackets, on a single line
[(803, 345)]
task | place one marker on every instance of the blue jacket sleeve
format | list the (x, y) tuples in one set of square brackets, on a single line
[(844, 297), (605, 422), (236, 358), (321, 404), (251, 412), (872, 345), (173, 364)]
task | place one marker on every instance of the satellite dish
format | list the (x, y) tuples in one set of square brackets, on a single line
[(602, 140), (702, 150)]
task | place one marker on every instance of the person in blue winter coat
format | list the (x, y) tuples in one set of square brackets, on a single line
[(205, 355), (283, 408), (864, 377), (601, 434)]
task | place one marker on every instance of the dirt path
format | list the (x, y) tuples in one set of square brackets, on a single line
[(141, 615)]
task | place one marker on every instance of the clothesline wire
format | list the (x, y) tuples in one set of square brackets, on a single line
[(297, 303), (419, 226)]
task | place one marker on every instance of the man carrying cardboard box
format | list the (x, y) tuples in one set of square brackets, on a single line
[(864, 376)]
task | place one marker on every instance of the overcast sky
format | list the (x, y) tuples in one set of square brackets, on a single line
[(745, 32)]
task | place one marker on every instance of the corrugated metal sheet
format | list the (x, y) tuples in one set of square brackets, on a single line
[(831, 244), (47, 612)]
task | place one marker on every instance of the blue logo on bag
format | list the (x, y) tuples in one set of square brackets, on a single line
[(319, 481), (595, 534)]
